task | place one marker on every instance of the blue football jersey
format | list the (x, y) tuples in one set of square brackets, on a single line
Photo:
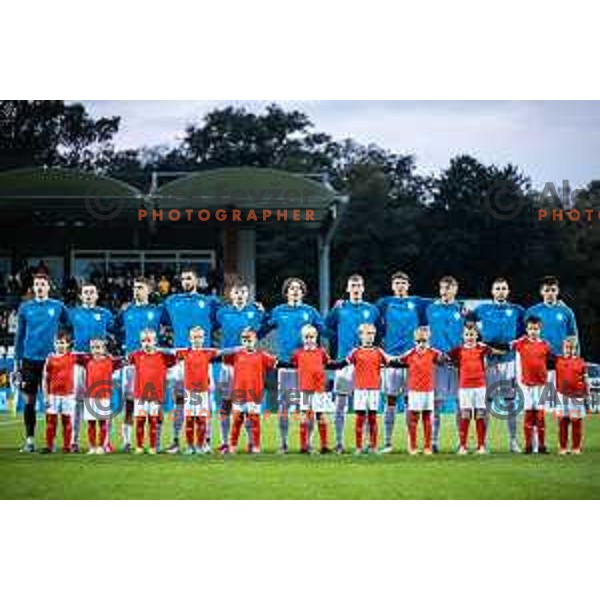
[(37, 324), (287, 321), (134, 319), (500, 322), (400, 317), (558, 323), (342, 324), (446, 323), (191, 309), (89, 323), (232, 321)]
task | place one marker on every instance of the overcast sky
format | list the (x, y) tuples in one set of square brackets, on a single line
[(549, 141)]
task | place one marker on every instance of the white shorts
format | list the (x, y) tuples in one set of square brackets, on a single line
[(573, 408), (534, 397), (60, 405), (287, 386), (175, 376), (501, 372), (446, 382), (471, 398), (97, 409), (366, 399), (80, 383), (196, 404), (225, 381), (394, 381), (247, 408), (320, 402), (146, 408), (128, 380), (344, 380), (419, 401)]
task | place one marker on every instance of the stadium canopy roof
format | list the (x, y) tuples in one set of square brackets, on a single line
[(50, 187), (246, 188)]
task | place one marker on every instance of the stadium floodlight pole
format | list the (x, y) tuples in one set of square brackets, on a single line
[(325, 239)]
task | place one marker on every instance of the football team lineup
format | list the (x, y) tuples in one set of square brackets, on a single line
[(402, 351)]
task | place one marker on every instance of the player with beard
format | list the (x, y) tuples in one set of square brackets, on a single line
[(499, 323), (183, 311)]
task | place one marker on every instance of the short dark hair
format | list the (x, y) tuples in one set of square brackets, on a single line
[(533, 320), (500, 279), (549, 280), (41, 275), (356, 277), (289, 281), (189, 269), (449, 280), (400, 275), (239, 282), (63, 334), (87, 283)]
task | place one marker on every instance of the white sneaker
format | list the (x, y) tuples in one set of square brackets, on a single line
[(386, 450), (92, 451), (206, 449), (462, 450), (139, 451), (100, 450)]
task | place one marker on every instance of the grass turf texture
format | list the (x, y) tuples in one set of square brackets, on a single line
[(268, 476)]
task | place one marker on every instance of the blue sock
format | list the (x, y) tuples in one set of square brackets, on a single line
[(225, 426), (388, 422), (340, 418), (511, 422), (435, 430), (283, 426), (177, 423)]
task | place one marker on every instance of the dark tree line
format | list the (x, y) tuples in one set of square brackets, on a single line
[(428, 226)]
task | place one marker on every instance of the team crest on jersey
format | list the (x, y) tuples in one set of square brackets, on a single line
[(97, 317), (509, 312), (150, 316), (410, 305), (201, 303), (457, 315), (559, 317), (305, 316), (366, 314), (251, 315), (51, 312)]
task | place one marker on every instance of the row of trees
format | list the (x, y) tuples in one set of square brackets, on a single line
[(397, 218)]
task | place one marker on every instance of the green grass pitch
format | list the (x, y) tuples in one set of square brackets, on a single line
[(270, 476)]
